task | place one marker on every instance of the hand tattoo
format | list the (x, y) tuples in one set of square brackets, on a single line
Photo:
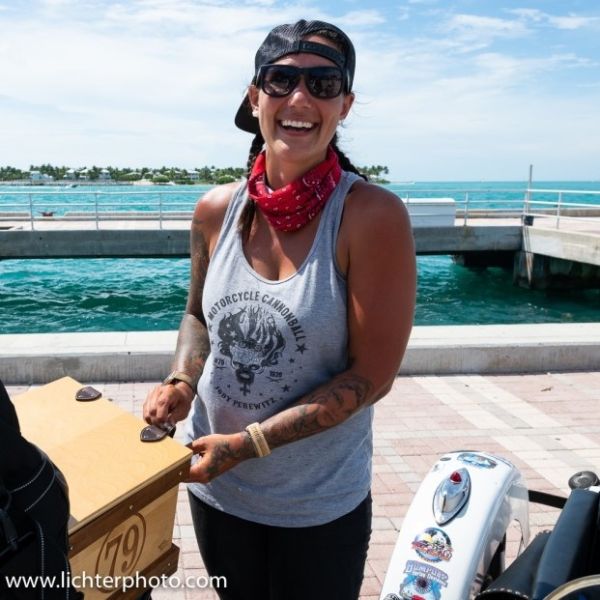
[(221, 457)]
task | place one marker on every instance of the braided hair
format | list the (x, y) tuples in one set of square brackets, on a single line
[(344, 160), (247, 215)]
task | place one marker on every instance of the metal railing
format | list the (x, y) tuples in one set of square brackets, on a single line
[(553, 204), (98, 206), (527, 205), (560, 209)]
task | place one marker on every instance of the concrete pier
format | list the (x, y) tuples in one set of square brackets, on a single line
[(540, 272), (140, 356), (539, 249), (552, 258), (128, 239)]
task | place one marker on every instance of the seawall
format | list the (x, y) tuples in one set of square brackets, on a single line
[(441, 350)]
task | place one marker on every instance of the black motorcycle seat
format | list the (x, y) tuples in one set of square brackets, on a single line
[(568, 552), (517, 581)]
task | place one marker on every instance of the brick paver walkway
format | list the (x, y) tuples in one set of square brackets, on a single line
[(548, 425)]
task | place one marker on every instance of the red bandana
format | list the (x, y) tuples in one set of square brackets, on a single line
[(293, 206)]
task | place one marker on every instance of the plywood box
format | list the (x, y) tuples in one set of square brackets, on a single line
[(123, 492)]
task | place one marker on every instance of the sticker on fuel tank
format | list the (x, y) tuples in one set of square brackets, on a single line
[(433, 545), (422, 581), (477, 460)]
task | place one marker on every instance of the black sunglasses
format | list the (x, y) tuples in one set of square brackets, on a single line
[(281, 80)]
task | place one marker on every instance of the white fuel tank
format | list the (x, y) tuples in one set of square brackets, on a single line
[(453, 527)]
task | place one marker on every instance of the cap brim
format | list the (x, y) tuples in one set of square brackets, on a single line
[(244, 119)]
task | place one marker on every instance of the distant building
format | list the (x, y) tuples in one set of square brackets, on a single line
[(70, 175), (193, 175), (104, 175), (83, 174), (37, 177)]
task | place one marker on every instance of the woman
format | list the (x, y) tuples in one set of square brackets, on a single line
[(300, 308)]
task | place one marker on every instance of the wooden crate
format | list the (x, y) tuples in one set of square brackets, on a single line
[(123, 492)]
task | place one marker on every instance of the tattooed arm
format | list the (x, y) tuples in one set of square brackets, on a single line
[(192, 342), (173, 402), (376, 251)]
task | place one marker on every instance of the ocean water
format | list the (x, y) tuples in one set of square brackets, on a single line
[(68, 295), (120, 198)]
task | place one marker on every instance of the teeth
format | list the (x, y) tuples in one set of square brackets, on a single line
[(297, 124)]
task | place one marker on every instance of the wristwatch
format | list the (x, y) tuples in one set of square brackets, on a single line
[(174, 376)]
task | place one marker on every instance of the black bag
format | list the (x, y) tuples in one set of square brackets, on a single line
[(34, 515)]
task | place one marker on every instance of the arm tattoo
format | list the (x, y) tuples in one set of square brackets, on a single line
[(327, 406), (222, 454), (192, 343), (198, 253)]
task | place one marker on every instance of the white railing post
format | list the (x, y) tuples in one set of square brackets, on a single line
[(466, 210), (96, 210), (160, 210), (31, 212), (528, 194), (558, 210)]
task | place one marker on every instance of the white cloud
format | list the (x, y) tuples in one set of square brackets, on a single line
[(158, 82), (361, 18), (55, 3), (262, 2), (570, 21), (532, 14), (489, 27), (508, 71)]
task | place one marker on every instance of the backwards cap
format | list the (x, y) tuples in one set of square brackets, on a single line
[(288, 39)]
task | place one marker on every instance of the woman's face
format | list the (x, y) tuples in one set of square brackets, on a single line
[(298, 128)]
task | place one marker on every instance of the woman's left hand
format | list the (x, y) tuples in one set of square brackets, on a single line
[(218, 453)]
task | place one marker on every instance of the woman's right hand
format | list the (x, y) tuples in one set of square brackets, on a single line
[(168, 403)]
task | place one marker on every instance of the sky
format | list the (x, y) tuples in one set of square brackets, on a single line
[(472, 90)]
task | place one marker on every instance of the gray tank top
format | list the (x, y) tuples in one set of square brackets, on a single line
[(271, 343)]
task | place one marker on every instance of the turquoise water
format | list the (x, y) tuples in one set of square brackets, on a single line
[(116, 198), (39, 296)]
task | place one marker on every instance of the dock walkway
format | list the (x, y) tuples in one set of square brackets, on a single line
[(547, 424), (459, 388), (575, 240)]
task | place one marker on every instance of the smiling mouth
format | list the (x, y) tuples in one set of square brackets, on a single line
[(290, 125)]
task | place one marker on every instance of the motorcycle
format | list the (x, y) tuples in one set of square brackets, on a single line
[(453, 540), (34, 514)]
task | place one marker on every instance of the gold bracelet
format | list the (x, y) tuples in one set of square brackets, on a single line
[(261, 447)]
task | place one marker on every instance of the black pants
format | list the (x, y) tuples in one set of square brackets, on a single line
[(262, 562)]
